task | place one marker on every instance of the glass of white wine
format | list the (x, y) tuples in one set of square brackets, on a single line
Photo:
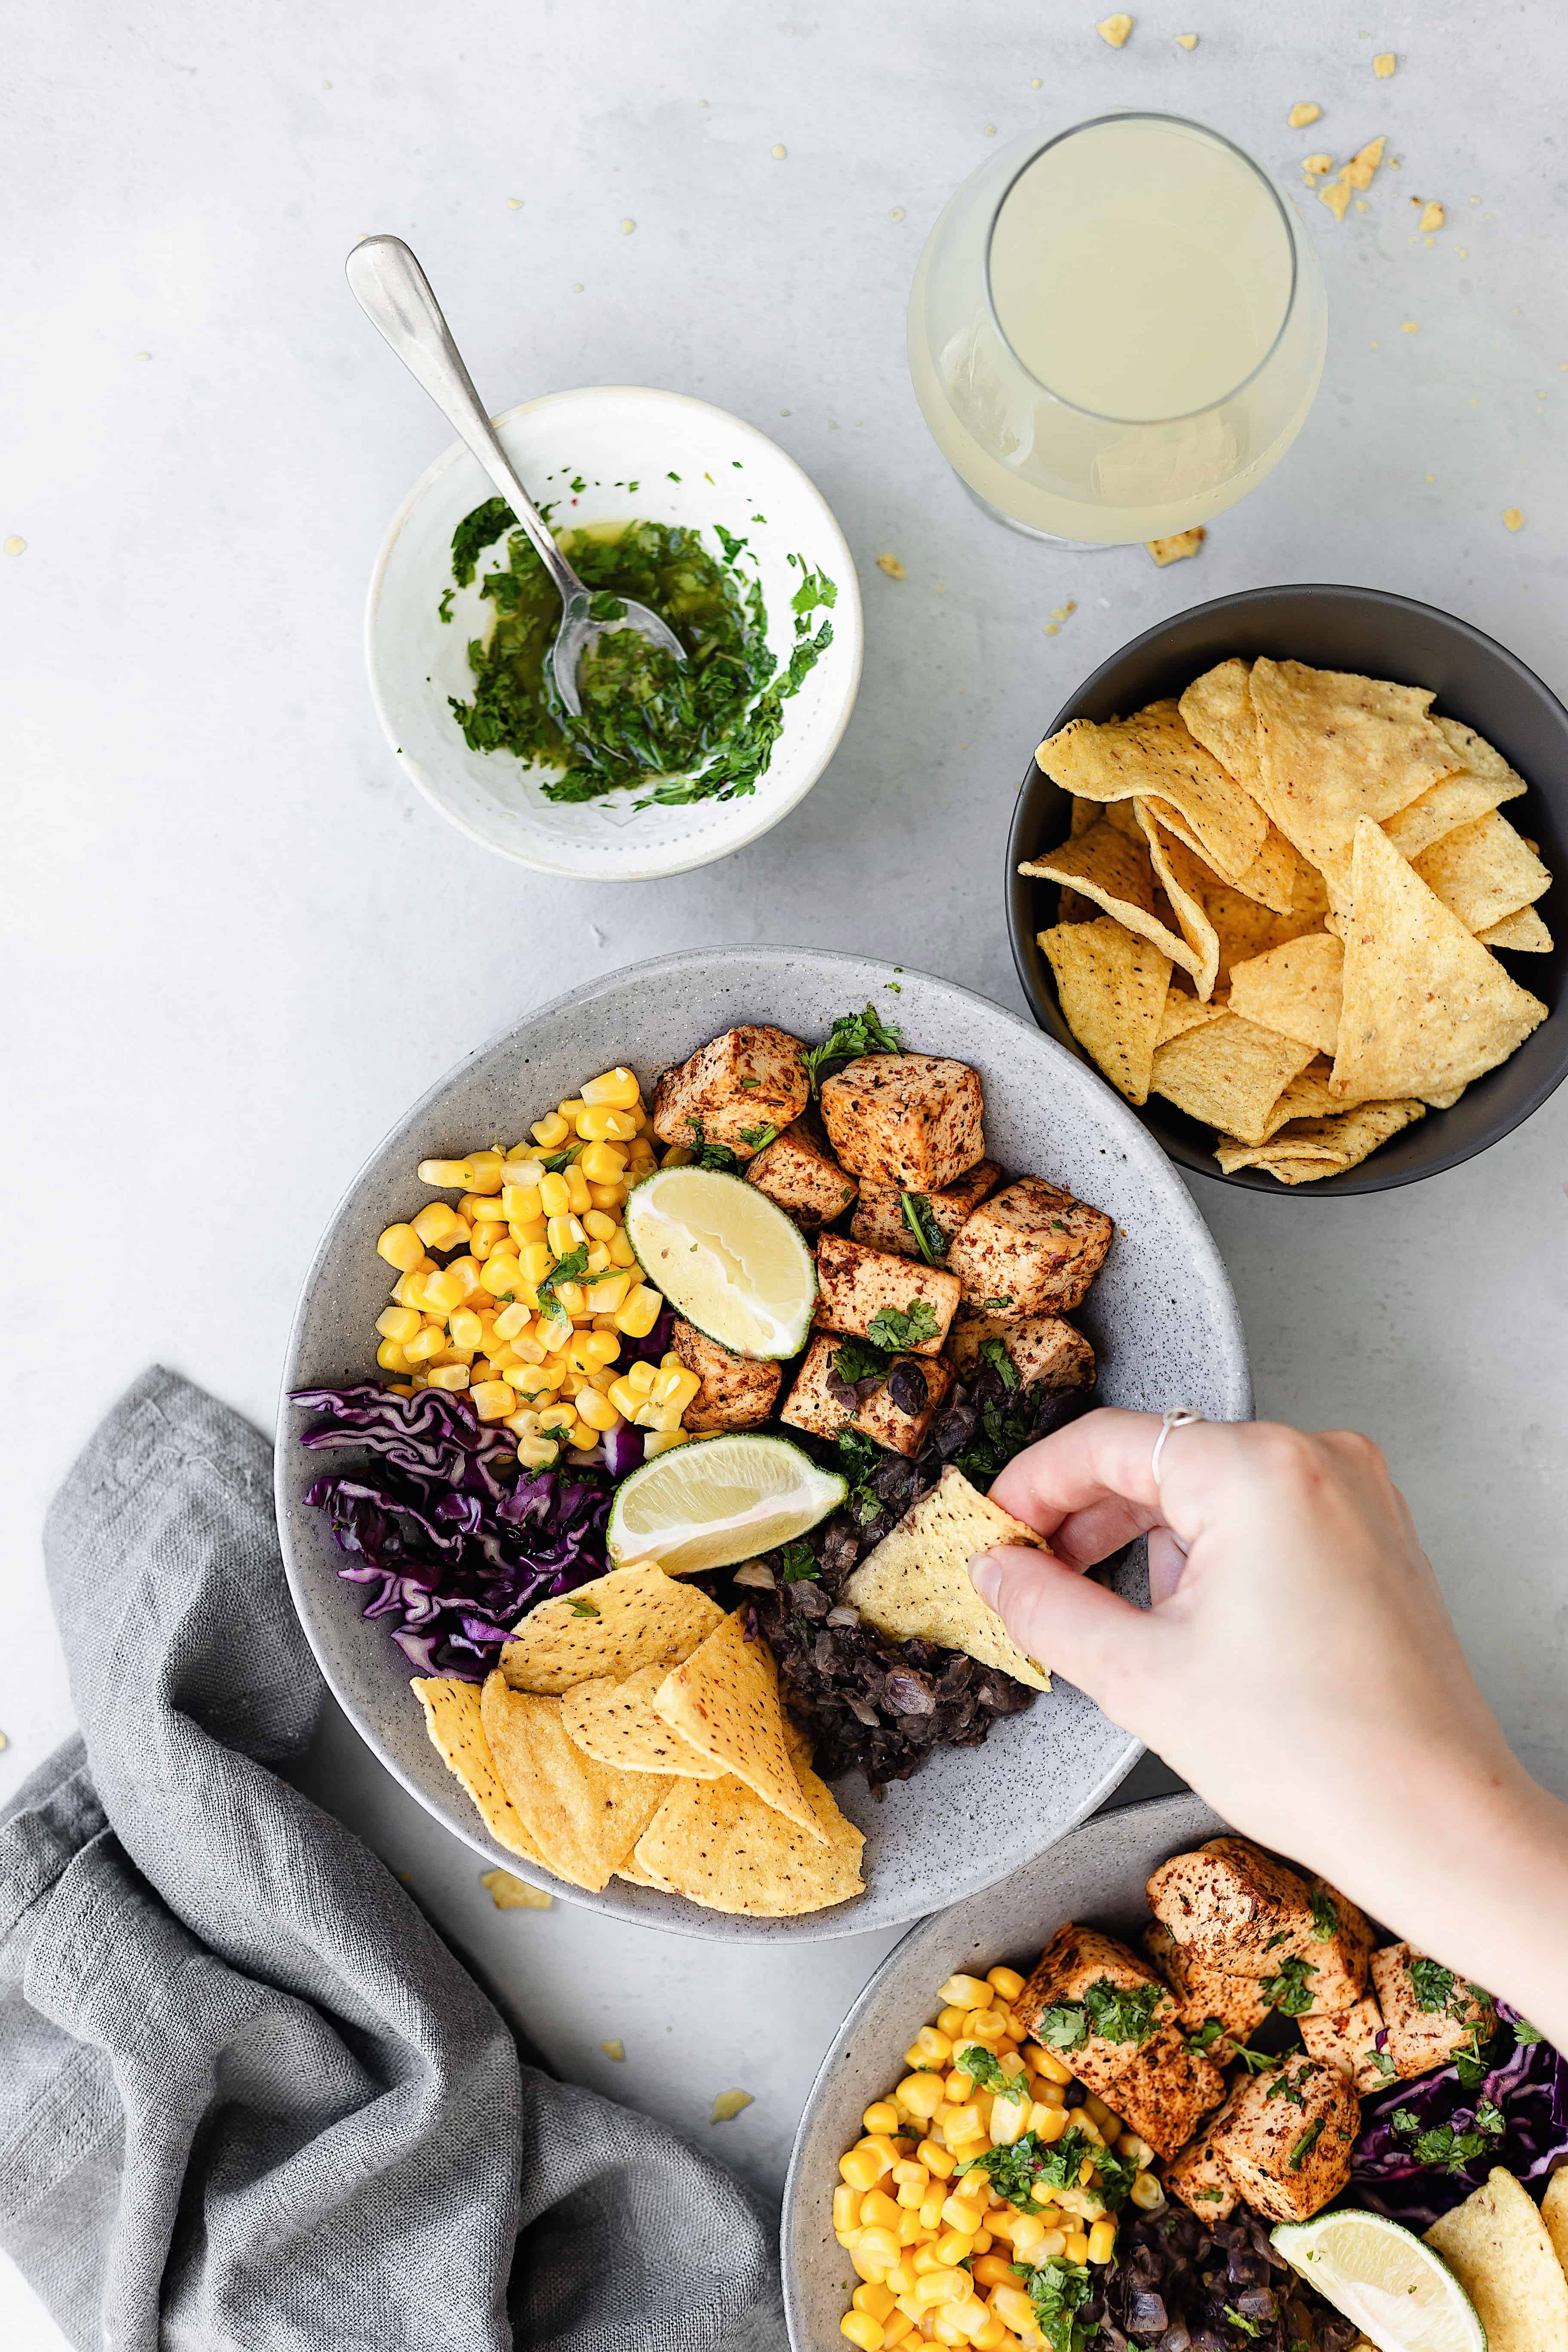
[(1115, 332)]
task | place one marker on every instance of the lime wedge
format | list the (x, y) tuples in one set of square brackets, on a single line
[(708, 1505), (1402, 2295), (726, 1258)]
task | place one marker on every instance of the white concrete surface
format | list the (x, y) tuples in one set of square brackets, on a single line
[(241, 943)]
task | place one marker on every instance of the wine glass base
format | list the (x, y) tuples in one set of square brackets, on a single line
[(1028, 530)]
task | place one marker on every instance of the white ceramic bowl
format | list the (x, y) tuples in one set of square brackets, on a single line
[(1162, 1318), (609, 436)]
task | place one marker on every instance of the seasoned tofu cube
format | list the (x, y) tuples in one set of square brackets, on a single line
[(907, 1119), (855, 1285), (1430, 2011), (1031, 1249), (1233, 1902), (1166, 2091), (1042, 1349), (732, 1090), (1354, 2043), (882, 1414), (1094, 2002), (737, 1392), (1208, 1996), (880, 1221), (798, 1171), (1195, 2175), (1286, 2141)]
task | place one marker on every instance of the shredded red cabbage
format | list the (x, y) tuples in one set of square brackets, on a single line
[(1528, 2085), (456, 1550)]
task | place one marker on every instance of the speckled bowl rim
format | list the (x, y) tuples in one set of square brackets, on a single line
[(746, 819), (676, 1916)]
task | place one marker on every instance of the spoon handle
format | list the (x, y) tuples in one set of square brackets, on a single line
[(395, 295)]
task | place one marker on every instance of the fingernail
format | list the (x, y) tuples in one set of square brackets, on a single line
[(986, 1575)]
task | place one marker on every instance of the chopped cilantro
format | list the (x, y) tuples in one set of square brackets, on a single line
[(920, 1219), (859, 1359), (859, 1457), (1289, 1992), (560, 1160), (476, 531), (1442, 2149), (443, 606), (814, 589), (1325, 1918), (1058, 2291), (757, 1139), (1306, 2144), (995, 1305), (994, 1353), (1114, 2012), (1256, 2062), (1282, 2087), (1014, 2171), (1239, 2319), (851, 1035), (893, 1330), (1210, 2032), (1526, 2034), (1489, 2117), (715, 1156), (583, 1609), (798, 1564), (983, 2067), (1116, 2175), (570, 1269), (1434, 1986), (1381, 2063)]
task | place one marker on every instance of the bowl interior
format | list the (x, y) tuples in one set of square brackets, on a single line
[(1380, 636), (622, 445), (1098, 1875), (1162, 1318)]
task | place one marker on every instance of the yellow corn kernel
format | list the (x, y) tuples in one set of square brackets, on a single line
[(955, 2246), (536, 1452), (1026, 2232), (879, 2211), (922, 2094), (484, 1171), (1110, 2124), (483, 1209), (985, 2025), (501, 1273), (911, 2233), (554, 1195), (493, 1399), (603, 1347), (554, 1332), (1047, 2063), (962, 2212), (532, 1261), (912, 2194), (659, 1441), (928, 2217), (562, 1416), (992, 2337), (896, 2324), (444, 1292), (929, 2049), (621, 1251), (1147, 2193), (405, 1289), (945, 2332), (522, 1166), (608, 1197), (862, 2330), (598, 1226), (1102, 2242), (1138, 2151), (401, 1246), (939, 2285), (1005, 1982), (940, 2162), (597, 1410), (846, 2207), (466, 1328), (968, 1992), (565, 1234), (577, 1190), (603, 1164), (1048, 2095), (625, 1399), (550, 1131), (397, 1323), (638, 1314), (523, 1230), (1080, 2118), (391, 1357), (970, 2317), (449, 1174), (877, 2299), (618, 1087), (513, 1321), (599, 1123), (864, 2267), (880, 2247), (486, 1239), (1009, 2120), (1077, 2246), (429, 1341), (1013, 2307), (448, 1376), (435, 1222), (992, 2270), (522, 1201), (568, 1297), (570, 1105)]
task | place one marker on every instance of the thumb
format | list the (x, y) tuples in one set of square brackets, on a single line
[(1064, 1622)]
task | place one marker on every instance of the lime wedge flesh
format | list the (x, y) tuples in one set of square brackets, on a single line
[(1400, 2293), (726, 1258), (722, 1499)]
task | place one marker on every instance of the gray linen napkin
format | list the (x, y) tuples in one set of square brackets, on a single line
[(247, 2096)]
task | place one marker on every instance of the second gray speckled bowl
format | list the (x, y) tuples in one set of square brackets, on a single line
[(1162, 1318)]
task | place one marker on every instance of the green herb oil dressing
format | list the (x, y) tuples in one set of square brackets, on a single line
[(700, 729)]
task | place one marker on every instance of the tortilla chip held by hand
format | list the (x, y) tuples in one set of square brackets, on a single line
[(914, 1586)]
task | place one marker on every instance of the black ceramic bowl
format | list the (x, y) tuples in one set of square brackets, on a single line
[(1379, 636)]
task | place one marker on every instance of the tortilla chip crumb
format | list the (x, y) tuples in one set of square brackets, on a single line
[(1383, 66), (1186, 40), (1053, 628), (1303, 113), (728, 2105), (1514, 516), (511, 1893), (1337, 196), (616, 2049), (1432, 217), (1180, 544), (891, 566), (1409, 326), (1315, 166), (1358, 171), (1114, 29)]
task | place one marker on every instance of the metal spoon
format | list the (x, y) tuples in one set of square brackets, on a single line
[(395, 295)]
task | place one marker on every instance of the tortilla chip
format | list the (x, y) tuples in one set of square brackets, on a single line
[(1243, 928), (1182, 876), (635, 1875), (1151, 753), (1113, 988), (632, 1617), (1217, 710), (915, 1585), (1520, 934), (1443, 808), (1333, 747), (1554, 2213), (1179, 544), (1425, 1007), (717, 1843), (1294, 989), (1104, 865), (614, 1723), (1483, 872), (1230, 1073), (1304, 1150), (1499, 2248), (725, 1700), (454, 1722), (1475, 754), (583, 1817), (1307, 1096), (1183, 1012)]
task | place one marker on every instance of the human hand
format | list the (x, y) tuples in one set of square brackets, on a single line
[(1297, 1665)]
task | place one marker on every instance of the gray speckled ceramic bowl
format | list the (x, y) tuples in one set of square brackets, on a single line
[(1097, 1873), (1162, 1318)]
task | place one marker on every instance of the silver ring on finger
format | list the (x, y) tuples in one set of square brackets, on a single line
[(1179, 1417)]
